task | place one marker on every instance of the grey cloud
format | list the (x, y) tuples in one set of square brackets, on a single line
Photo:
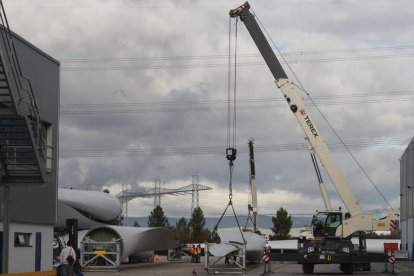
[(155, 36)]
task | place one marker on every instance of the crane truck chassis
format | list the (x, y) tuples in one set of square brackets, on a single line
[(332, 229)]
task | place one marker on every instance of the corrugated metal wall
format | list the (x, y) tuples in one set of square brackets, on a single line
[(37, 204)]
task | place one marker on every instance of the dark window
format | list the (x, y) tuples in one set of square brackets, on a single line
[(22, 239)]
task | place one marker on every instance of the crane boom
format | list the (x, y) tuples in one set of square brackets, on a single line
[(296, 105), (322, 187), (252, 184)]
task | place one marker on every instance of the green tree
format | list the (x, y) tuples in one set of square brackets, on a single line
[(136, 224), (197, 223), (214, 237), (391, 235), (182, 230), (157, 218), (282, 223)]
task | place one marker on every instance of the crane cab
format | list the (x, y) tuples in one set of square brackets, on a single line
[(326, 223)]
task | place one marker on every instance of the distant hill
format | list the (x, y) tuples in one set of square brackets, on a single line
[(227, 221)]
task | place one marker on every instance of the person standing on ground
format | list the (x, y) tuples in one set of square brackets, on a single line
[(193, 254), (199, 250), (66, 261), (196, 254)]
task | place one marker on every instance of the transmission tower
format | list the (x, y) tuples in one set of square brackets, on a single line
[(157, 189), (128, 194), (124, 204), (195, 193)]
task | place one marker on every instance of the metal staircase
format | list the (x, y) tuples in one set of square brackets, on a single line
[(22, 133)]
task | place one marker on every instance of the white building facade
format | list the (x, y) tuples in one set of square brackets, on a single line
[(406, 199)]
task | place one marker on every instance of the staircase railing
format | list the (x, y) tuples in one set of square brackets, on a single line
[(21, 92)]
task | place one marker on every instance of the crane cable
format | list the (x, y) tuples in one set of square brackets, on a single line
[(231, 151), (232, 116), (302, 88)]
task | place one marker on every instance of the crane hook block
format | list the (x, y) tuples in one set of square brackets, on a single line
[(231, 154)]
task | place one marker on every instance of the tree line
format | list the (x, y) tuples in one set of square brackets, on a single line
[(194, 230)]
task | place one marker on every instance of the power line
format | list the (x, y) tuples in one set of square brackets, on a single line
[(225, 56), (297, 57), (218, 65), (243, 104), (177, 4), (119, 152)]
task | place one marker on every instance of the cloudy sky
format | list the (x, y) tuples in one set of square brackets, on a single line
[(144, 88)]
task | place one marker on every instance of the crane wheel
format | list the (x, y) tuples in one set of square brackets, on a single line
[(347, 268), (308, 268)]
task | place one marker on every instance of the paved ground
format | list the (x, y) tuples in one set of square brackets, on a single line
[(164, 268), (404, 266)]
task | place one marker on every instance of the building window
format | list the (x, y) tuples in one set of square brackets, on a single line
[(22, 239), (49, 147)]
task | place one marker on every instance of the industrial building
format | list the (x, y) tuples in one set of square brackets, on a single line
[(29, 126), (406, 199)]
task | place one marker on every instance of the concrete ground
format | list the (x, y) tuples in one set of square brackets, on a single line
[(163, 268)]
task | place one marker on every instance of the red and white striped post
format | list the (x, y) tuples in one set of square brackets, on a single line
[(266, 259), (391, 260), (389, 249), (393, 225)]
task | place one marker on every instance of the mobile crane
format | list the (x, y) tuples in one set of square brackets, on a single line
[(332, 229)]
